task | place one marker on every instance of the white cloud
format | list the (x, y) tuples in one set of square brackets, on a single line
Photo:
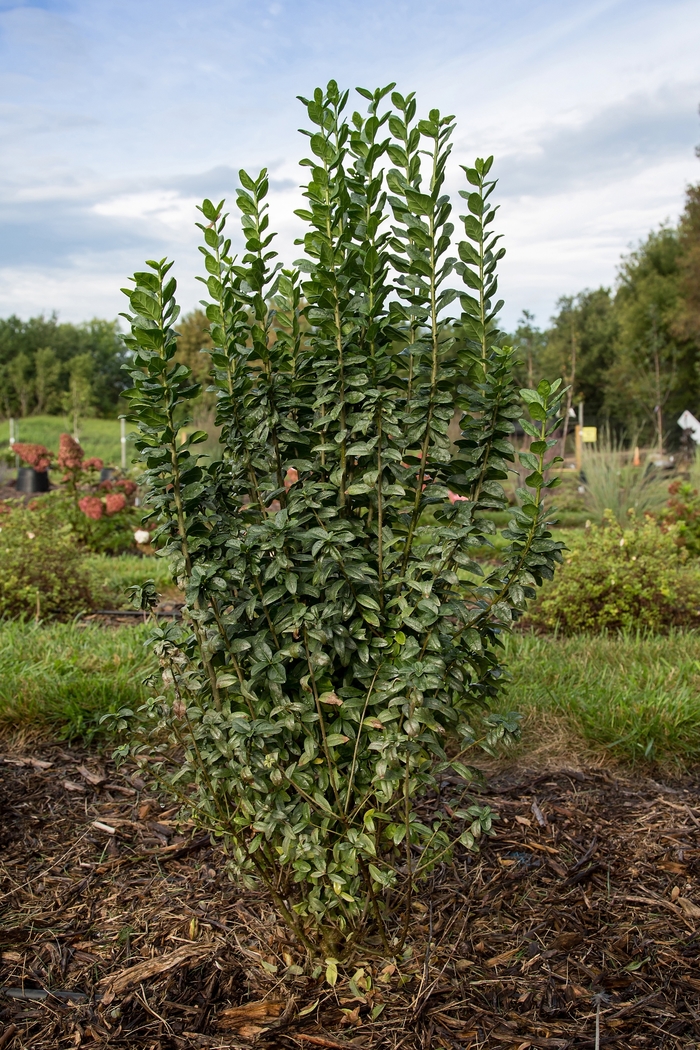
[(117, 119)]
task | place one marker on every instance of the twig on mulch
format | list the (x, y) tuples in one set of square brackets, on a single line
[(120, 926)]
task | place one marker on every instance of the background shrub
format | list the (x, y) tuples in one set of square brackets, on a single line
[(41, 570), (614, 578), (683, 511)]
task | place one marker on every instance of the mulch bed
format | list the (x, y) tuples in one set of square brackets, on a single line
[(119, 927)]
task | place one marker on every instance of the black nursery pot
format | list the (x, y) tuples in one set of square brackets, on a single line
[(107, 473), (30, 481)]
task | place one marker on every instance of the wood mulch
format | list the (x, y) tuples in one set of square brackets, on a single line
[(577, 927)]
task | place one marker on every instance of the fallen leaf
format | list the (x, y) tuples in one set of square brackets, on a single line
[(69, 785), (497, 960), (91, 776), (674, 867), (463, 964), (689, 909), (525, 821), (38, 763), (567, 941)]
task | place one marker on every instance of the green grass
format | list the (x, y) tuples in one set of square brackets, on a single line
[(60, 678), (637, 698), (99, 437), (634, 698), (110, 577)]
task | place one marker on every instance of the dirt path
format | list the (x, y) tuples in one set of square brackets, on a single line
[(119, 928)]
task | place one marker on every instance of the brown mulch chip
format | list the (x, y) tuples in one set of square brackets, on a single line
[(119, 926)]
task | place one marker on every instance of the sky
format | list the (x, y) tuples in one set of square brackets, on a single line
[(117, 117)]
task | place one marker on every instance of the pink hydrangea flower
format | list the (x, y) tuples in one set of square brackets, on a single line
[(91, 507), (35, 455), (94, 463), (114, 502), (70, 453)]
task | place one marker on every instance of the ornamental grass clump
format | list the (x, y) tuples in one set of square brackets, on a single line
[(338, 653)]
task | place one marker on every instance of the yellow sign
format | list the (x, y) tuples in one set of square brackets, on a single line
[(589, 435)]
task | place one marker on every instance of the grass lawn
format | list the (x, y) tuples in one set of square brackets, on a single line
[(636, 698), (110, 577), (99, 437), (59, 678)]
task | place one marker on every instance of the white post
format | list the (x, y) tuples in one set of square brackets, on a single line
[(123, 441), (14, 430)]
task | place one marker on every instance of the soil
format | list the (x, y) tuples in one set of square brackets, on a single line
[(577, 926)]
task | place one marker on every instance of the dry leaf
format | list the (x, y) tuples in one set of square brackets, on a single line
[(674, 867), (525, 821), (91, 776), (567, 941), (69, 785), (37, 763), (503, 957), (689, 909)]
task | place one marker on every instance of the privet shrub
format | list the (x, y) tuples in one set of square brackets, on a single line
[(619, 579), (333, 666), (41, 570)]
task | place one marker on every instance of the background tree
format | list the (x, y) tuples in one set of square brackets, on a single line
[(193, 337), (78, 400), (687, 324), (21, 365), (654, 370), (531, 341), (47, 372)]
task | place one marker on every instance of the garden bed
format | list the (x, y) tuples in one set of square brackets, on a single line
[(121, 928)]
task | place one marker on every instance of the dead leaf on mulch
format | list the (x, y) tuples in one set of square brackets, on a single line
[(689, 909)]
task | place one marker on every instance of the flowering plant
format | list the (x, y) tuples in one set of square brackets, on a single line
[(36, 456), (101, 513)]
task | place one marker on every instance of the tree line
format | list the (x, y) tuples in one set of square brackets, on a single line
[(47, 367), (631, 353)]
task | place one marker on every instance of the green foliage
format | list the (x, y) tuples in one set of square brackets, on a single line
[(42, 573), (36, 363), (111, 534), (63, 677), (331, 652), (636, 696), (683, 511), (621, 579), (613, 484)]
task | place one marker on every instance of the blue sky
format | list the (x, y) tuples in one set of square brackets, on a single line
[(117, 117)]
